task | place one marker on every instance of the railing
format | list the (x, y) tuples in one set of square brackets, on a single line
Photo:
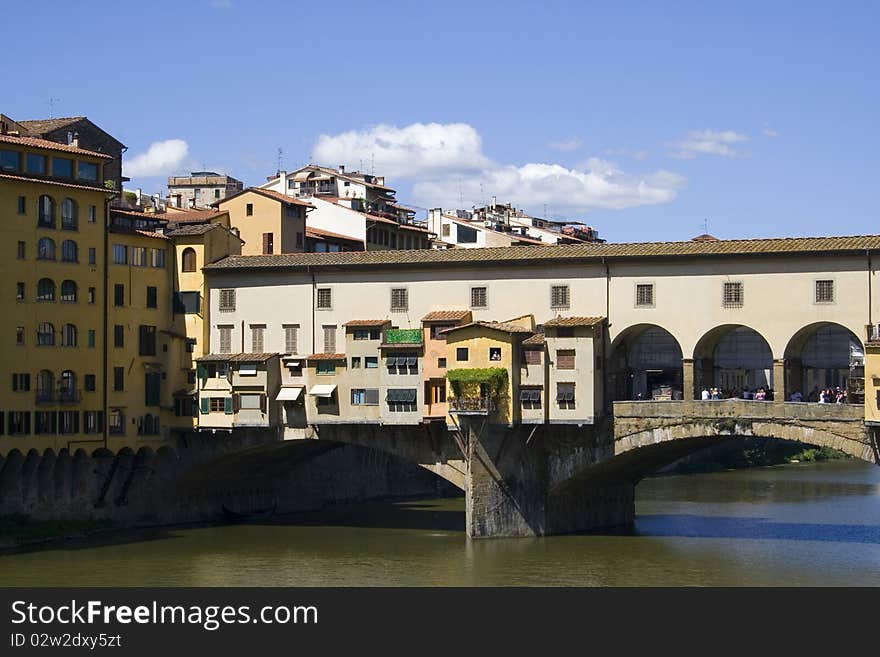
[(58, 396), (739, 408), (472, 405)]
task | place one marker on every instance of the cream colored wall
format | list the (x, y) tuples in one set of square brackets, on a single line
[(336, 413), (361, 377), (872, 383), (583, 376), (265, 219)]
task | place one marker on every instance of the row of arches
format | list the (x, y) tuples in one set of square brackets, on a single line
[(47, 337), (46, 290), (46, 213), (46, 250), (646, 362)]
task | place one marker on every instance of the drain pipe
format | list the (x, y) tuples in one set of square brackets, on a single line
[(870, 299), (312, 274)]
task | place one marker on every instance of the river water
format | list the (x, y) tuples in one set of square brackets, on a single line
[(805, 524)]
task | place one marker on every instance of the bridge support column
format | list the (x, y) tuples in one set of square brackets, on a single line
[(781, 387), (687, 379)]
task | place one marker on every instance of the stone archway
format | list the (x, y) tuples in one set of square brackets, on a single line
[(824, 355), (733, 358), (645, 362)]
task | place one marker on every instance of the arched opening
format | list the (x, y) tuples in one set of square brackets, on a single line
[(68, 335), (69, 251), (824, 356), (69, 219), (45, 248), (45, 386), (735, 359), (67, 386), (68, 291), (46, 212), (45, 289), (188, 259), (645, 363), (45, 334)]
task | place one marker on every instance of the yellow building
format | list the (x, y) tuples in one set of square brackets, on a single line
[(872, 380), (53, 206), (267, 221)]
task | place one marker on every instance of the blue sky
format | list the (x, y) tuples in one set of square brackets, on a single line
[(642, 119)]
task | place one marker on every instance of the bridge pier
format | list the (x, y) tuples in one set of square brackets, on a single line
[(687, 379)]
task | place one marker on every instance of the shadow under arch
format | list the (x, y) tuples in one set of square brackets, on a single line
[(824, 355), (732, 357), (644, 358)]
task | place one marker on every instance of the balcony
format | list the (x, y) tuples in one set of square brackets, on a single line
[(402, 338), (472, 405), (66, 396)]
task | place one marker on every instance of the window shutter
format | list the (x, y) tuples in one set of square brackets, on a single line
[(14, 382), (236, 402), (27, 381), (100, 421), (263, 402), (204, 405), (27, 422), (75, 422), (55, 421), (201, 371), (227, 405)]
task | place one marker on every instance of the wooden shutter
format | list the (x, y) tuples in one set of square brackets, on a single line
[(204, 405), (565, 359), (227, 405), (263, 402), (14, 382), (236, 402)]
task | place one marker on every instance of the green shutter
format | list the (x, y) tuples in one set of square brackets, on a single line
[(201, 371), (227, 405), (204, 403)]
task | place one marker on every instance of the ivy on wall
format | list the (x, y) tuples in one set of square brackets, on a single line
[(494, 377)]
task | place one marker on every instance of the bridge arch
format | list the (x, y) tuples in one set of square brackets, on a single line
[(732, 357), (644, 359), (823, 355)]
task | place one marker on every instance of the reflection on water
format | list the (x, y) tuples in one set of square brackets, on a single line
[(789, 525)]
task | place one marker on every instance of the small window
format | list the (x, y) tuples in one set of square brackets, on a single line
[(355, 362), (22, 205), (825, 291), (495, 353), (733, 295), (565, 359), (19, 291), (399, 299), (479, 297), (188, 259), (89, 382), (324, 298), (91, 295), (361, 334), (564, 331), (532, 356), (559, 297), (120, 254), (530, 398), (152, 297), (565, 395), (93, 214), (20, 252), (92, 255), (645, 295), (118, 379), (91, 336), (118, 336), (249, 210), (325, 367), (441, 363), (227, 301), (268, 243), (371, 362), (19, 335), (119, 294), (461, 354)]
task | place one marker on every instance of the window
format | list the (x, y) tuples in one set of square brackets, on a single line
[(325, 367), (45, 334), (531, 356), (119, 294), (188, 259), (494, 353), (365, 397), (138, 256), (299, 238), (644, 295), (466, 234), (188, 303), (157, 258), (93, 421), (118, 379), (227, 301), (565, 395), (249, 209), (19, 422), (290, 338), (217, 405), (355, 362), (22, 205), (45, 422), (461, 354), (19, 335), (46, 212), (152, 382), (375, 334), (324, 298), (565, 359), (19, 291), (530, 398), (825, 291), (216, 193), (45, 248), (86, 171), (118, 336), (62, 167), (361, 334), (93, 214), (35, 163), (68, 422), (120, 254), (152, 297), (732, 295), (257, 333), (46, 289), (399, 299), (268, 243), (190, 345), (401, 400), (92, 257), (9, 160), (89, 382), (68, 291), (437, 331), (69, 251), (69, 218), (371, 362), (21, 381), (20, 252), (45, 386), (479, 298), (91, 335), (116, 421), (445, 230), (329, 338), (559, 296), (68, 335), (225, 339), (252, 402), (146, 340), (441, 363), (67, 386), (197, 193)]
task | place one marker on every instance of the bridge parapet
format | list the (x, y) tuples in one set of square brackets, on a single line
[(739, 408)]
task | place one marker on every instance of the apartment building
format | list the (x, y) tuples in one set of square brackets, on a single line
[(200, 189), (267, 222), (238, 391)]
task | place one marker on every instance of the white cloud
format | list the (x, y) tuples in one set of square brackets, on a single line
[(160, 159), (414, 150), (570, 144), (707, 142)]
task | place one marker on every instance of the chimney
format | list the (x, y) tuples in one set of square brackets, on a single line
[(282, 181), (75, 141), (494, 200), (137, 200), (341, 168), (380, 180)]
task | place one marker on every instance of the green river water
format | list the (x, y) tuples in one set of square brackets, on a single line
[(805, 524)]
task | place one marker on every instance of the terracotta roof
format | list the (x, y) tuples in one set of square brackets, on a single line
[(368, 322), (238, 358), (574, 321), (592, 252), (138, 214), (43, 126), (123, 230), (43, 181), (446, 315), (705, 237), (344, 176), (190, 216), (51, 145), (505, 327), (192, 229), (317, 232), (326, 357), (268, 193), (536, 340)]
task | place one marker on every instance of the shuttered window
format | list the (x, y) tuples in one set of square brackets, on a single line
[(559, 296), (257, 332), (225, 339), (329, 339), (324, 298), (399, 299), (532, 356), (290, 338), (227, 301), (644, 295), (479, 297), (565, 359)]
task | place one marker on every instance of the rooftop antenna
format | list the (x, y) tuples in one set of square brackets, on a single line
[(280, 160), (51, 103), (705, 226), (372, 165), (460, 195), (545, 211)]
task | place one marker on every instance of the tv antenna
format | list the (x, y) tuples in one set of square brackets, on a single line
[(705, 226), (51, 102), (280, 160)]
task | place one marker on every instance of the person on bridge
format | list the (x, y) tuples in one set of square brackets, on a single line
[(796, 396), (705, 394)]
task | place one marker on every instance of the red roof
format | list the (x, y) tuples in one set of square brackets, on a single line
[(368, 322), (446, 315), (43, 181), (51, 145), (268, 193)]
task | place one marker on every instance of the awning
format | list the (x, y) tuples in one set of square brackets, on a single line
[(289, 394), (303, 175), (325, 390), (406, 395)]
